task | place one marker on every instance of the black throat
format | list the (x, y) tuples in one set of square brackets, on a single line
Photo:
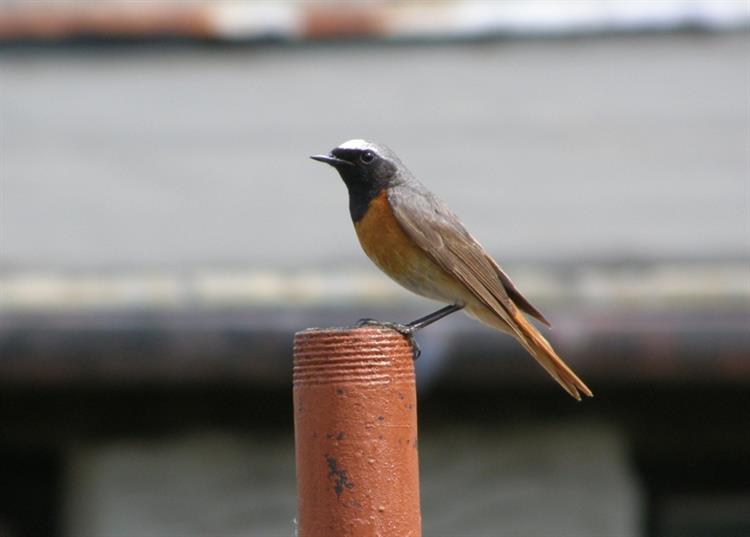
[(360, 196)]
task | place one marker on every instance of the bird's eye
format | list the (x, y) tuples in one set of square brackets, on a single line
[(367, 157)]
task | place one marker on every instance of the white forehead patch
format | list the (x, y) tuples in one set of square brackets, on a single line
[(357, 144)]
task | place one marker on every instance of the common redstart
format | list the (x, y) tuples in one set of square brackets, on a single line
[(415, 239)]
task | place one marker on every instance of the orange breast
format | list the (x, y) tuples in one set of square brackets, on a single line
[(390, 248)]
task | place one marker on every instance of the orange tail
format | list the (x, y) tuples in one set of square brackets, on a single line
[(543, 352)]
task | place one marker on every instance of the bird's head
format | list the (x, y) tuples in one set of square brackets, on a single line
[(363, 164)]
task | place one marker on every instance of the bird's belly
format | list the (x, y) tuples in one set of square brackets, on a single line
[(391, 249)]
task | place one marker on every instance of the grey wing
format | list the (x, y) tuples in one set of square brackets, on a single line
[(435, 229), (516, 296)]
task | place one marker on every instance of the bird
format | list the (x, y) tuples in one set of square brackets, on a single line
[(414, 238)]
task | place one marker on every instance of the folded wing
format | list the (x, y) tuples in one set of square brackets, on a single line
[(435, 229)]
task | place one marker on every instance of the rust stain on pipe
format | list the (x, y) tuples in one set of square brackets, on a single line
[(355, 421)]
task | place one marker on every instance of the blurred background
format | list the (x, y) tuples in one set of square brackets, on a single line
[(163, 235)]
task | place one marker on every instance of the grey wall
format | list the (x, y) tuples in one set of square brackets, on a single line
[(570, 479), (617, 146)]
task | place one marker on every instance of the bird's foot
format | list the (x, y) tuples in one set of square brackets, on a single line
[(403, 329)]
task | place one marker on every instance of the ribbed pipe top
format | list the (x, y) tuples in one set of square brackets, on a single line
[(365, 356)]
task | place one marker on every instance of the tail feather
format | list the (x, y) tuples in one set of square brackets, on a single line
[(543, 352)]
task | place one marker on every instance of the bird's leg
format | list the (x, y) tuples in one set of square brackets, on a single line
[(408, 330), (403, 329), (433, 317)]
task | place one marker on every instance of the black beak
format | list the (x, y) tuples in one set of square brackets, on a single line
[(333, 161)]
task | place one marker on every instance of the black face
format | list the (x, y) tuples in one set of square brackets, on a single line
[(360, 166), (366, 171)]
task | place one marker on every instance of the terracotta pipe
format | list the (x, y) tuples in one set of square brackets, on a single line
[(355, 423)]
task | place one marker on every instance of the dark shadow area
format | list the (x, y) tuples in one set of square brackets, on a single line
[(30, 491), (694, 455)]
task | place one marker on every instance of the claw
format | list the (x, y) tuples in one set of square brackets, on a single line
[(415, 350), (403, 329)]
